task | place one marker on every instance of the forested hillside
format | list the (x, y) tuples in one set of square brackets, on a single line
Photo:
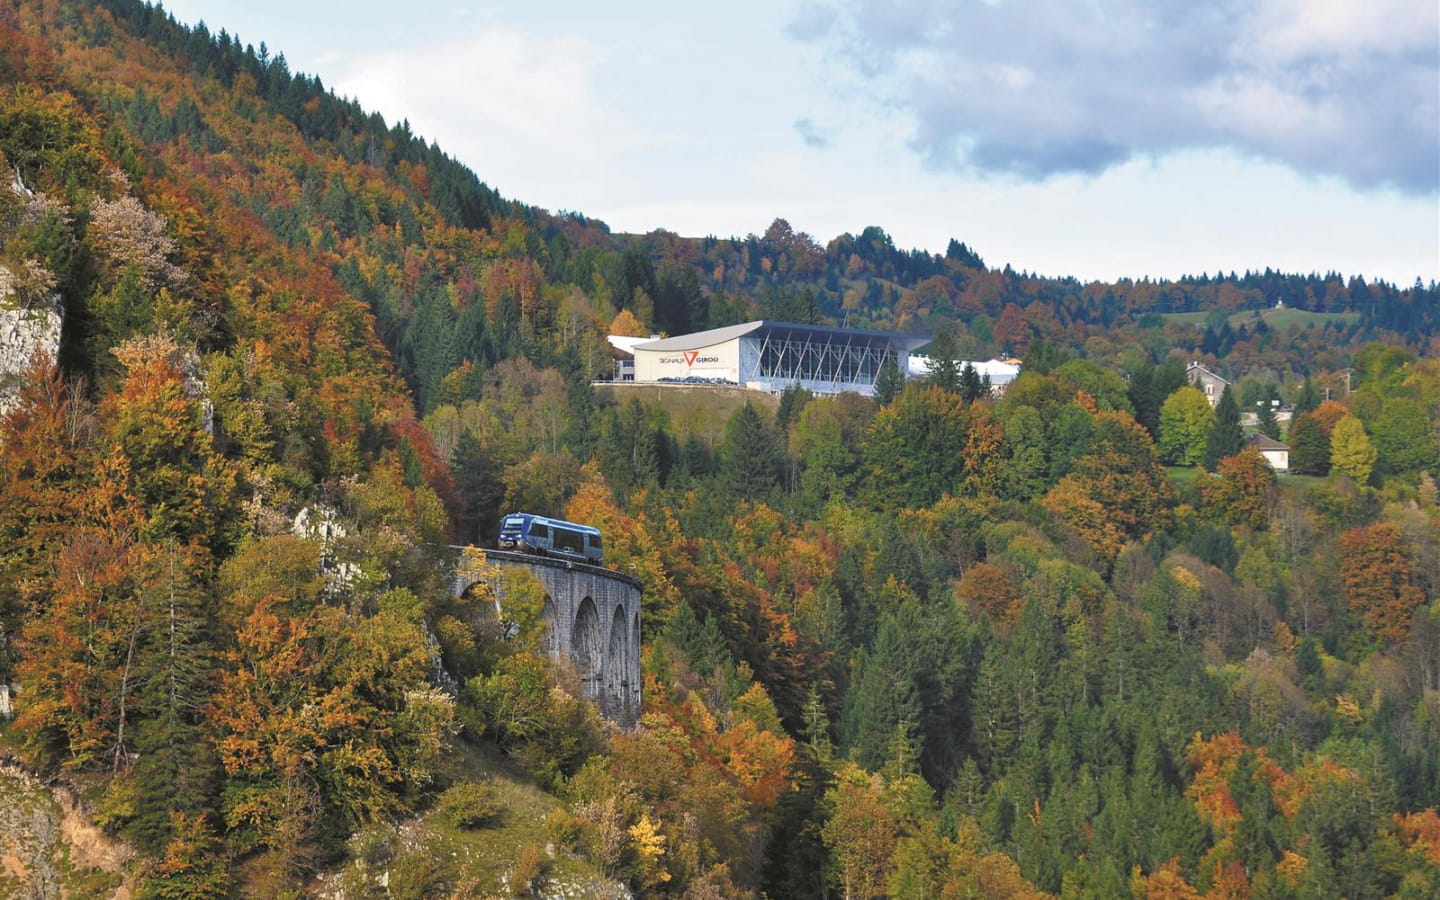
[(1076, 641)]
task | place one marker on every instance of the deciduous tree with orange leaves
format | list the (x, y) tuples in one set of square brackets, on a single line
[(1243, 490), (1375, 572), (44, 437)]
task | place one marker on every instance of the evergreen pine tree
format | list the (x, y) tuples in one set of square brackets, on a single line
[(1170, 375), (889, 382), (429, 341), (967, 791), (1042, 358), (797, 860), (1255, 840), (971, 387), (1309, 447), (174, 768), (1141, 393), (1226, 438), (642, 454), (995, 726), (1268, 424), (883, 696), (702, 643), (749, 458), (944, 367), (792, 400), (695, 459), (478, 484), (1308, 398)]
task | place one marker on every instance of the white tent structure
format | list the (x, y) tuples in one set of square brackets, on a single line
[(1000, 372)]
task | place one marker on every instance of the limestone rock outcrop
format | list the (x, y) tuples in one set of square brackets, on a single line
[(25, 329)]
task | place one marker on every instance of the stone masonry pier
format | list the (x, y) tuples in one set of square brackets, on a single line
[(594, 619)]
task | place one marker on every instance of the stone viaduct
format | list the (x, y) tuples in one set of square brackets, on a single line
[(593, 616)]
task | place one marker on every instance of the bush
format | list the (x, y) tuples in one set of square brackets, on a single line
[(469, 804), (418, 876), (563, 830), (547, 731), (530, 868)]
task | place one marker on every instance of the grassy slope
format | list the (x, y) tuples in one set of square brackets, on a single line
[(480, 861), (700, 409), (1278, 319)]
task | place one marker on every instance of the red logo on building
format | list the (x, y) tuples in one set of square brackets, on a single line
[(690, 357)]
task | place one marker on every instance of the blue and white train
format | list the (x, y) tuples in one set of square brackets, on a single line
[(551, 537)]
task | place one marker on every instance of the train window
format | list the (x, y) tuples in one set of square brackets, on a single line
[(569, 541), (539, 531)]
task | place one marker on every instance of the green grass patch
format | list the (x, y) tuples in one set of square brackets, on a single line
[(1185, 318), (11, 741), (1281, 319), (433, 853), (1278, 319), (1180, 475), (699, 409)]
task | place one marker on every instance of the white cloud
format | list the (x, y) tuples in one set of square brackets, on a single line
[(1289, 29), (511, 105), (1118, 137), (1330, 87)]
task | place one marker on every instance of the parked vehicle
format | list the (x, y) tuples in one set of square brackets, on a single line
[(551, 537)]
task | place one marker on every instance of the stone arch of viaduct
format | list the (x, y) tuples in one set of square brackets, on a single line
[(594, 619)]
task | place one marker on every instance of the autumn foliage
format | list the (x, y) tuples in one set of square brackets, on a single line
[(1375, 570), (954, 644)]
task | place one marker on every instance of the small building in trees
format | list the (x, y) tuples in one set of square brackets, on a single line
[(1208, 382), (622, 355), (771, 356), (1275, 453)]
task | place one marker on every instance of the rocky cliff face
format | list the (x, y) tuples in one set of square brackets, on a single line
[(25, 329), (48, 845)]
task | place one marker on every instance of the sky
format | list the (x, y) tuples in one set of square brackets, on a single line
[(1100, 139)]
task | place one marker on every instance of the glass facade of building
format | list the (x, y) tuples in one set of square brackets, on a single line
[(839, 360)]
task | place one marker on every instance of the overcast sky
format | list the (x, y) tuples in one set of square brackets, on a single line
[(1094, 138)]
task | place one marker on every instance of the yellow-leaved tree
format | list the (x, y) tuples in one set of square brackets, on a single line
[(626, 325), (1351, 451)]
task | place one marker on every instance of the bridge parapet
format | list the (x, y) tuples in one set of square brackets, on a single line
[(593, 614)]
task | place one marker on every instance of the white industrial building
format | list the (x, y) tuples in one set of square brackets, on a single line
[(1000, 371), (770, 356)]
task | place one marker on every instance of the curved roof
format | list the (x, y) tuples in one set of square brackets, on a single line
[(626, 344), (766, 328)]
